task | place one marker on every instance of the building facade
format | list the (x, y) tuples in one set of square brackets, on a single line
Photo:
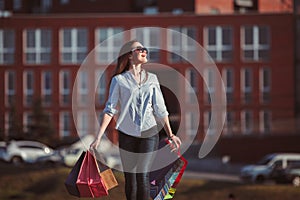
[(41, 55)]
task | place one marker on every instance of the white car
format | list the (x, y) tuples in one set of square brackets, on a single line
[(109, 154), (18, 152), (269, 167)]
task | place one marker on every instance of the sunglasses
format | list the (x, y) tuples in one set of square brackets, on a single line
[(140, 49)]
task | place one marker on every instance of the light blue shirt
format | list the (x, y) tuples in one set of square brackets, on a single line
[(137, 104)]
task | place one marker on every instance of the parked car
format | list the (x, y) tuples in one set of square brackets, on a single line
[(290, 175), (2, 150), (72, 153), (55, 158), (269, 167), (18, 152)]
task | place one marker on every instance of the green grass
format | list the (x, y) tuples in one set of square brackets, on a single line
[(32, 182)]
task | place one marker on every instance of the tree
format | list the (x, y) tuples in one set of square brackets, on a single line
[(15, 129), (40, 127)]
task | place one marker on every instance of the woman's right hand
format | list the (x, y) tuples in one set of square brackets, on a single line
[(95, 144)]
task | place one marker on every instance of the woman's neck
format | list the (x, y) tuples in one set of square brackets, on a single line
[(136, 69)]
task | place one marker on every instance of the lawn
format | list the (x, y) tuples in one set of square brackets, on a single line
[(33, 182)]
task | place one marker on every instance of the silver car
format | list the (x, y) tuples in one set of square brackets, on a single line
[(18, 152)]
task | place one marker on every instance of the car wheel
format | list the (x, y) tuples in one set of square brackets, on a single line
[(296, 181), (16, 160), (260, 179)]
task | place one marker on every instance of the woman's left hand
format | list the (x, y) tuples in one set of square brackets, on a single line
[(175, 143)]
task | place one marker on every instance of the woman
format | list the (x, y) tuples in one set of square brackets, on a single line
[(138, 96)]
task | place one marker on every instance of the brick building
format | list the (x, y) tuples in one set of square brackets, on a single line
[(41, 54)]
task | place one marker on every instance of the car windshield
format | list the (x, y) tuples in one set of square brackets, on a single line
[(265, 160)]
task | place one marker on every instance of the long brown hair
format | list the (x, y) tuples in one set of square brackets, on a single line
[(123, 63)]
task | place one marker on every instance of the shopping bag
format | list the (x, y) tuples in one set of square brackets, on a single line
[(109, 179), (89, 181), (106, 173), (70, 182), (163, 182)]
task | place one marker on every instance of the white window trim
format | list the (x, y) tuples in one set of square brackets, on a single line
[(8, 91), (191, 131), (219, 47), (262, 124), (100, 89), (26, 123), (5, 50), (246, 89), (191, 88), (262, 87), (243, 122), (62, 129), (26, 90), (74, 49), (46, 91), (38, 50), (110, 50), (183, 48), (83, 91), (229, 89), (210, 77), (255, 47), (82, 123), (62, 88)]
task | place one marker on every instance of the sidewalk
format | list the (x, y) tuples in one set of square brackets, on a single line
[(212, 169), (211, 176)]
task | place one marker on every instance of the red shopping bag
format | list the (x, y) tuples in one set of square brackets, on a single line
[(89, 181)]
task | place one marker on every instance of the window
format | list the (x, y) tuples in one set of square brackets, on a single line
[(180, 43), (37, 46), (64, 87), (83, 89), (17, 4), (9, 123), (208, 126), (265, 118), (7, 46), (265, 84), (27, 121), (47, 88), (246, 85), (64, 2), (191, 124), (108, 43), (229, 123), (191, 89), (100, 87), (228, 77), (256, 43), (82, 123), (46, 4), (150, 38), (247, 121), (28, 87), (2, 4), (218, 43), (74, 45), (10, 88), (209, 86), (64, 124)]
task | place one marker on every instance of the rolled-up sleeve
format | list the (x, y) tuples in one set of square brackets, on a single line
[(113, 98), (159, 107)]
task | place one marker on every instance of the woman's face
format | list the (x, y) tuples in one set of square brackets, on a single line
[(139, 53)]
